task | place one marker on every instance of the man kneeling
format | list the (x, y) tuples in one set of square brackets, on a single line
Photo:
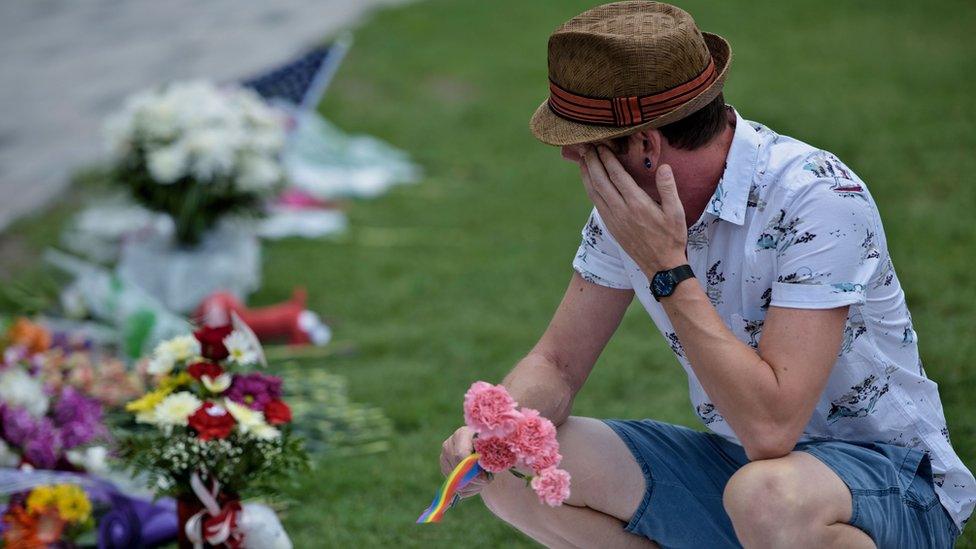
[(764, 264)]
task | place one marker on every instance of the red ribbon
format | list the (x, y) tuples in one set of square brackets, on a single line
[(626, 111), (214, 524)]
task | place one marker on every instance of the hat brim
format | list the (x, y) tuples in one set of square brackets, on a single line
[(554, 130)]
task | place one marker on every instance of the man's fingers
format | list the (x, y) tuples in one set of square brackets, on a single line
[(475, 486), (600, 180), (464, 443), (446, 466), (618, 176), (667, 188), (595, 197)]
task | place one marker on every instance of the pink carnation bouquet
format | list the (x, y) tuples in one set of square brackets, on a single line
[(510, 438)]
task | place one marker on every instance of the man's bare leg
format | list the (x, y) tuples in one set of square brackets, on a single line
[(607, 487), (791, 502)]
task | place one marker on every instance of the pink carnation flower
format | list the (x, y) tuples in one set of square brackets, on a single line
[(496, 454), (550, 457), (489, 409), (552, 486), (534, 437)]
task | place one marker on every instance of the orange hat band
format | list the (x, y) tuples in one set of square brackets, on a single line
[(625, 111)]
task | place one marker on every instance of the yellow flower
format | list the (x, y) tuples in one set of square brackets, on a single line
[(40, 499), (73, 505), (171, 383), (148, 401)]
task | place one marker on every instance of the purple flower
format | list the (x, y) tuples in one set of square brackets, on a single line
[(37, 438), (74, 420), (78, 417), (43, 447), (254, 390), (18, 424)]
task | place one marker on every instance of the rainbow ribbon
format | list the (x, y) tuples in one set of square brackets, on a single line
[(447, 497)]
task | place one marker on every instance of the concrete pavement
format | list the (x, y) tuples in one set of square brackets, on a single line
[(65, 65)]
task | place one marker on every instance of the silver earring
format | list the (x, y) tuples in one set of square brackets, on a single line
[(647, 163)]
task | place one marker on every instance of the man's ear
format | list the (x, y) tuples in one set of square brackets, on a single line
[(649, 143)]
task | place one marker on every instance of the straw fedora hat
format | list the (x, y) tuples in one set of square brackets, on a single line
[(623, 67)]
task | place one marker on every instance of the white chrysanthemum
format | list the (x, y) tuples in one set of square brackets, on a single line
[(214, 131), (158, 120), (251, 422), (258, 173), (160, 364), (18, 388), (212, 151), (171, 351), (182, 347), (93, 459), (176, 409), (167, 164), (239, 348)]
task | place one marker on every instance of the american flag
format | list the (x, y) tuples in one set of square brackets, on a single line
[(301, 81)]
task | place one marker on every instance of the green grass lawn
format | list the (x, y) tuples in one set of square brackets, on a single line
[(453, 280)]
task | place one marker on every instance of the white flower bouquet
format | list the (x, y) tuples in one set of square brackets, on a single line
[(197, 152)]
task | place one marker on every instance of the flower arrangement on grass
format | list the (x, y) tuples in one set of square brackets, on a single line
[(220, 429), (197, 152), (47, 516), (106, 379), (509, 438), (42, 426)]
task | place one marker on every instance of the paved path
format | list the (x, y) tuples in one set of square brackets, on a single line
[(65, 65)]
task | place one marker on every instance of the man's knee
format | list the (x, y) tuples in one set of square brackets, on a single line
[(765, 496)]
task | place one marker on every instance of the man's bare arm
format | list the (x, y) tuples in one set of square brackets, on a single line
[(549, 377), (767, 397)]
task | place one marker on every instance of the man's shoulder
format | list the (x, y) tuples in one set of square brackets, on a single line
[(790, 168)]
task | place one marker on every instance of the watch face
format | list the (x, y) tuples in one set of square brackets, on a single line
[(662, 284)]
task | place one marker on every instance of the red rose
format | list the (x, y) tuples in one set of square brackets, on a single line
[(277, 412), (199, 369), (212, 341), (211, 421)]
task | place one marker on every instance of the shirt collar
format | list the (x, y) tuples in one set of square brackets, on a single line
[(732, 193)]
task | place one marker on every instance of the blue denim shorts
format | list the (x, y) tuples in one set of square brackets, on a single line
[(686, 472)]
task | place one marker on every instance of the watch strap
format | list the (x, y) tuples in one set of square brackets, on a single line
[(682, 272)]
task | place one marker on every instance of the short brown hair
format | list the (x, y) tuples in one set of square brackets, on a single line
[(692, 131)]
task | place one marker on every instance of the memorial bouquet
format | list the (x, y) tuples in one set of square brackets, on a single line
[(47, 516), (103, 378), (219, 430), (43, 425), (197, 152), (507, 438)]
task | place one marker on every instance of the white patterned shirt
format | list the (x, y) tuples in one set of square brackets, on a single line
[(790, 225)]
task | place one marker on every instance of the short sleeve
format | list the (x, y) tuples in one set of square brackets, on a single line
[(598, 258), (828, 246)]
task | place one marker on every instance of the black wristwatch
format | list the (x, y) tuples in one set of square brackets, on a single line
[(664, 282)]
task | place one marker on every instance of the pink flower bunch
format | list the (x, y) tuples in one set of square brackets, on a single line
[(508, 437)]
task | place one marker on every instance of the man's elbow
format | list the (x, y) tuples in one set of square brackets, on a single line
[(769, 442)]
